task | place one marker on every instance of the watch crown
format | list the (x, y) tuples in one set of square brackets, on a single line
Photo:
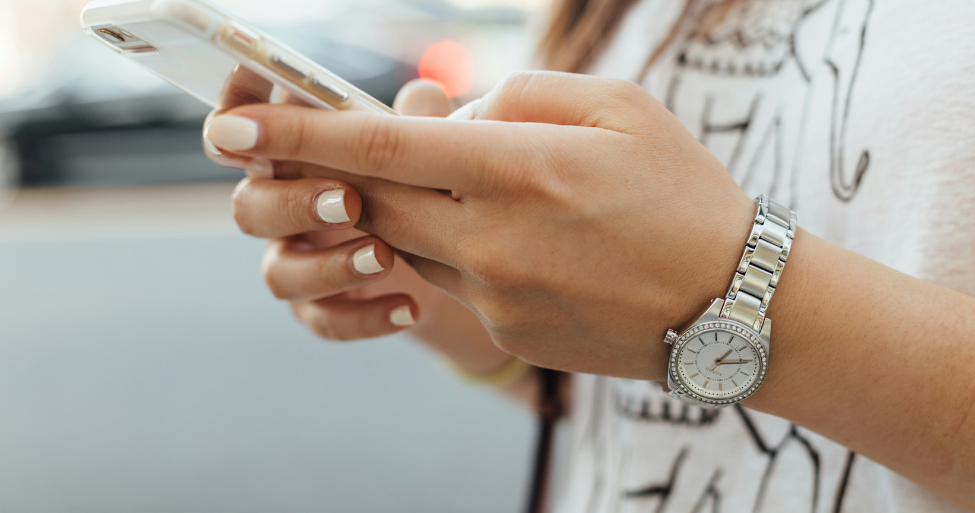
[(671, 337)]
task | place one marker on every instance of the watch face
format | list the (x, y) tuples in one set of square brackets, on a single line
[(719, 362)]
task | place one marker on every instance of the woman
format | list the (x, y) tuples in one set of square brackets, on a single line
[(587, 216)]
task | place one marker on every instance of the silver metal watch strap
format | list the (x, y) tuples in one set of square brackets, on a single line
[(761, 265)]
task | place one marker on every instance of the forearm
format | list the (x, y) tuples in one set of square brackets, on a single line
[(878, 361)]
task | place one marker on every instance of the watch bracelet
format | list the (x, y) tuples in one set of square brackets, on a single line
[(761, 264)]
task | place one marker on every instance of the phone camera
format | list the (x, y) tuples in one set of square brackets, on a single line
[(111, 36)]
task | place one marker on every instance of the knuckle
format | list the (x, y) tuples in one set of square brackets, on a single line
[(273, 281), (239, 202), (625, 93), (381, 145), (321, 324), (511, 90), (300, 136), (331, 279), (296, 206), (516, 82)]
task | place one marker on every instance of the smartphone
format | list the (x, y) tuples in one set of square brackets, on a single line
[(217, 58)]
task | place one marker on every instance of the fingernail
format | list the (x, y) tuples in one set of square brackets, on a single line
[(259, 168), (233, 132), (209, 144), (365, 261), (467, 112), (331, 208), (402, 316)]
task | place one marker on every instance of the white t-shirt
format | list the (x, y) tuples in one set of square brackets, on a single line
[(860, 115)]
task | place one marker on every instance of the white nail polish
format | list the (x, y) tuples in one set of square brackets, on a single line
[(209, 145), (259, 168), (331, 207), (365, 260), (233, 132), (466, 113), (402, 316)]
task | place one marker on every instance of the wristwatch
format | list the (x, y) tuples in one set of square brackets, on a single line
[(722, 357)]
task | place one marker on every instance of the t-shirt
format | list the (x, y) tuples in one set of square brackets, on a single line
[(859, 115)]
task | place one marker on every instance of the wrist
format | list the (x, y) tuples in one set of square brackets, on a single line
[(722, 356)]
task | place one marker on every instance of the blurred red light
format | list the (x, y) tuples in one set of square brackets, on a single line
[(450, 64)]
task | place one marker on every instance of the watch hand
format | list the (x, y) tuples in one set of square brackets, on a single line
[(739, 361), (717, 361)]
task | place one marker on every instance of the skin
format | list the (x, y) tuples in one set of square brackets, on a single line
[(585, 221)]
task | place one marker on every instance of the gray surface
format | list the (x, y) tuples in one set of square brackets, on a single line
[(159, 375)]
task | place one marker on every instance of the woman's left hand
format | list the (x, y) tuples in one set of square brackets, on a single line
[(584, 220)]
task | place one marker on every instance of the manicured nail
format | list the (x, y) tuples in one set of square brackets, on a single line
[(331, 207), (365, 261), (259, 168), (467, 112), (209, 144), (233, 132), (402, 316)]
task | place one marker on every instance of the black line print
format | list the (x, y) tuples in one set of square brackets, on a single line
[(841, 492), (724, 52), (712, 493), (644, 410), (773, 453), (841, 188), (660, 490)]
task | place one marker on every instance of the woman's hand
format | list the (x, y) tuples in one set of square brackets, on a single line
[(340, 282), (585, 220)]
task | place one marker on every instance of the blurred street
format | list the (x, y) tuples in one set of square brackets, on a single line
[(144, 366)]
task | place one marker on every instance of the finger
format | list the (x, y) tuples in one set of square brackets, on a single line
[(434, 153), (294, 272), (420, 221), (242, 87), (442, 276), (422, 98), (273, 208), (540, 97), (346, 319), (214, 154)]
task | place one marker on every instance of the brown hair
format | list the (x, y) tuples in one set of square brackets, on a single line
[(580, 29)]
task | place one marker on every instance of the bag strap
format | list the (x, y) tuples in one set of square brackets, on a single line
[(550, 408)]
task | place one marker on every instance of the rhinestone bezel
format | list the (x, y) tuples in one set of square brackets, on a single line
[(736, 328)]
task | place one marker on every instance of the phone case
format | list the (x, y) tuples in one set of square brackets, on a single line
[(206, 52)]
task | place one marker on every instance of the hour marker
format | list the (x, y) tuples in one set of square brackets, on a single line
[(688, 363), (735, 382), (706, 383), (695, 374), (744, 373), (720, 387), (740, 348), (691, 350), (715, 336)]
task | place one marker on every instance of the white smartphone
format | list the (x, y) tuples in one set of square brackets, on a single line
[(215, 57)]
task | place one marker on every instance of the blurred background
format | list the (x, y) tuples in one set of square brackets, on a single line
[(143, 365)]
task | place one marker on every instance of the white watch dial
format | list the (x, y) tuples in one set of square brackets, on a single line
[(718, 364)]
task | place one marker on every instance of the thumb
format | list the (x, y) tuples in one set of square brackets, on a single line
[(422, 98)]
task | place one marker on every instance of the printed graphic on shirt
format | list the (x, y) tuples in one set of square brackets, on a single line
[(743, 82), (743, 76), (705, 460)]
